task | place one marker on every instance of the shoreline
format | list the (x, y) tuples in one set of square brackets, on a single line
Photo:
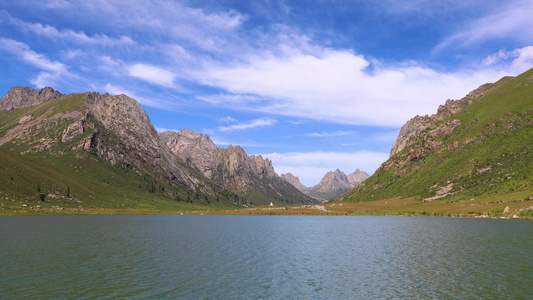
[(306, 210), (495, 207)]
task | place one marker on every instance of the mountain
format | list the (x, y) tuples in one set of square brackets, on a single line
[(475, 147), (252, 177), (295, 181), (357, 177), (332, 186), (103, 151)]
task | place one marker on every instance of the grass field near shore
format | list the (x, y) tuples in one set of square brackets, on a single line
[(520, 204)]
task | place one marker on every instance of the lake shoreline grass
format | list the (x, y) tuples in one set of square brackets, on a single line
[(474, 208)]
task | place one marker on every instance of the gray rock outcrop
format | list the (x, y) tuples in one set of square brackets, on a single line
[(357, 177), (22, 97), (294, 180)]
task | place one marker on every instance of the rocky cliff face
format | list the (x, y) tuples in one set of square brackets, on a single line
[(357, 177), (411, 129), (232, 168), (135, 141), (416, 125), (21, 97), (194, 148), (294, 180)]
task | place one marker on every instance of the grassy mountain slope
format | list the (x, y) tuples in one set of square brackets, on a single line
[(483, 150), (72, 185)]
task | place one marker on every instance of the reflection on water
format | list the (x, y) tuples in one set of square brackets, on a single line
[(141, 257)]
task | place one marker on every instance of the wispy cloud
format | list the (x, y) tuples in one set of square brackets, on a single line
[(330, 134), (152, 74), (263, 122), (67, 34), (516, 60), (53, 70), (30, 56), (513, 21), (227, 119)]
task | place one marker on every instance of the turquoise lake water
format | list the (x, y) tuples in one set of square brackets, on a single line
[(264, 257)]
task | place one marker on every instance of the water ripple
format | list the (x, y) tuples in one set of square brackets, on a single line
[(264, 257)]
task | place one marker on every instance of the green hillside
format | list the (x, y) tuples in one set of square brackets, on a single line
[(484, 150), (72, 185)]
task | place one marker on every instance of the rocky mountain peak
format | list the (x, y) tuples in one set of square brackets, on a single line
[(357, 177), (335, 179), (22, 97), (294, 180)]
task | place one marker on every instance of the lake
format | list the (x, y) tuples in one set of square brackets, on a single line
[(264, 257)]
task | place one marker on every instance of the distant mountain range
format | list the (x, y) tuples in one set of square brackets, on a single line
[(103, 151), (332, 186), (477, 147)]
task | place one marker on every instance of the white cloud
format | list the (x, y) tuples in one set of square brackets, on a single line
[(263, 122), (336, 86), (512, 21), (209, 31), (517, 61), (312, 166), (71, 54), (80, 37), (330, 134), (66, 34), (30, 56), (53, 71), (227, 119), (152, 74)]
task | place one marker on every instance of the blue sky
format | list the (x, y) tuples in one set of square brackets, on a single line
[(312, 85)]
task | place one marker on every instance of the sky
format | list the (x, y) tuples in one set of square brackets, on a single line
[(313, 86)]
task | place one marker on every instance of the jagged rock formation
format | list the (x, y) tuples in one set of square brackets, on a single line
[(411, 129), (194, 148), (416, 125), (357, 177), (139, 142), (332, 186), (478, 145), (21, 97), (232, 168), (294, 180)]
